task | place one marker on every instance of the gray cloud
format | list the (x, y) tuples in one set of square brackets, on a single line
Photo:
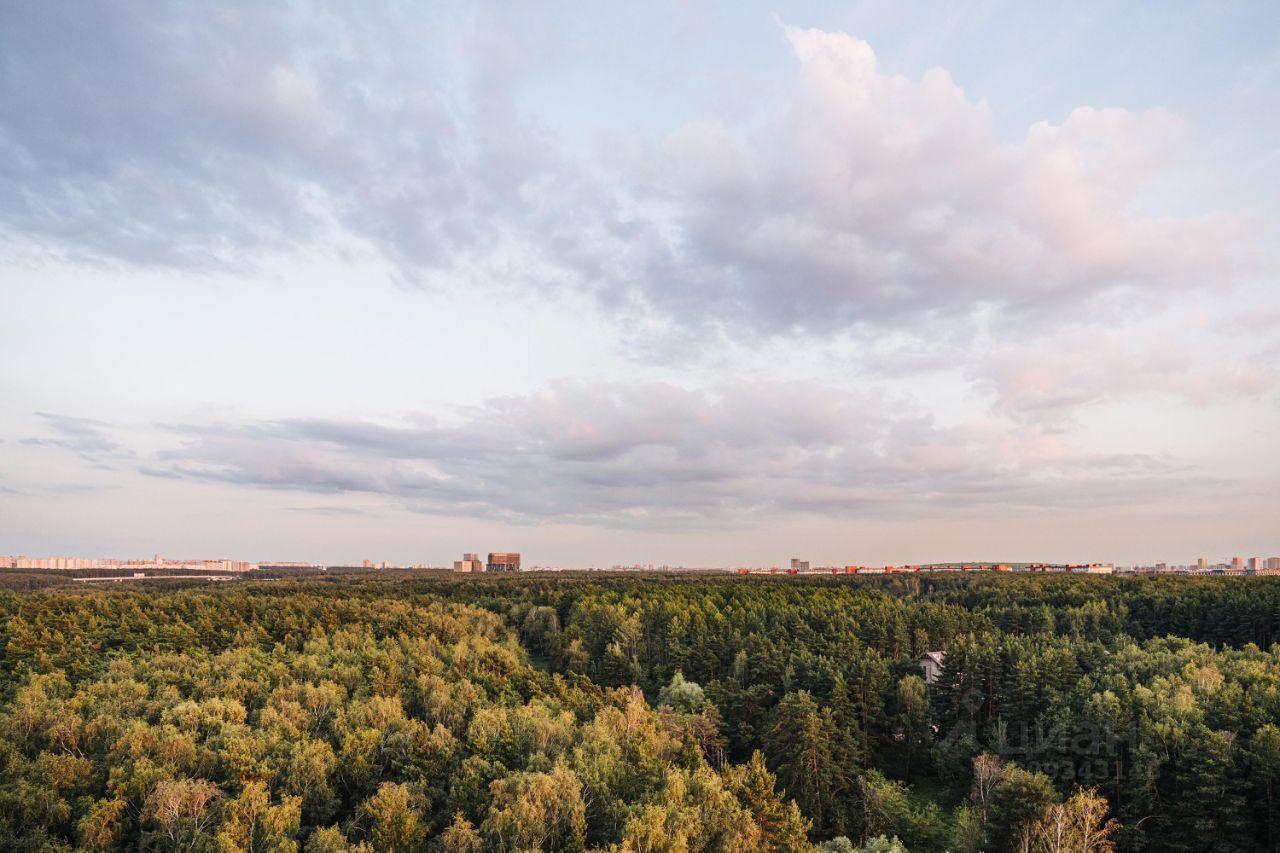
[(147, 135), (86, 437), (195, 137), (332, 511), (641, 454)]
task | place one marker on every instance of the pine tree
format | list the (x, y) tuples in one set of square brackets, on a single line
[(800, 751)]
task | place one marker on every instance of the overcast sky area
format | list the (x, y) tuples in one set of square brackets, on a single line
[(706, 284)]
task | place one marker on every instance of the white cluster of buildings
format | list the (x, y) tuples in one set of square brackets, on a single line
[(160, 563), (155, 563), (803, 567), (383, 564), (1202, 566)]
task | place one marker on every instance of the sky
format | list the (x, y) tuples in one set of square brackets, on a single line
[(687, 283)]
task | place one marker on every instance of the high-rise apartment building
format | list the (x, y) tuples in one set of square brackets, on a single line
[(469, 563), (504, 561)]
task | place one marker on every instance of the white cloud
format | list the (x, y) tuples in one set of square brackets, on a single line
[(873, 198)]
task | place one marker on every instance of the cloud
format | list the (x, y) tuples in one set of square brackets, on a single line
[(86, 437), (1052, 376), (192, 137), (330, 511), (203, 138), (870, 198), (149, 136), (654, 454)]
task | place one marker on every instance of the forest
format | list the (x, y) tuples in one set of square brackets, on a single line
[(642, 713)]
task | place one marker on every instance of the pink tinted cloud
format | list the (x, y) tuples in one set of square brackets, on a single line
[(1076, 369), (871, 196), (619, 453)]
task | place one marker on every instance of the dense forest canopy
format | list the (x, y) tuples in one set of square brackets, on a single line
[(642, 713)]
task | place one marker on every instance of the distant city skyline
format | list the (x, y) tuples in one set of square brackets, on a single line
[(666, 283), (511, 561)]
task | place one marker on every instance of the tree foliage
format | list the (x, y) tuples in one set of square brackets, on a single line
[(642, 713)]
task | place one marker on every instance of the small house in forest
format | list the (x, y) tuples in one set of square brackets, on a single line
[(931, 663)]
